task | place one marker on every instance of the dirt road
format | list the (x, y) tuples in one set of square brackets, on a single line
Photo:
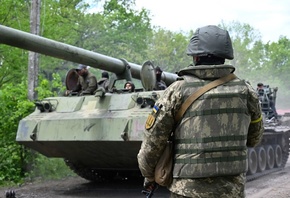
[(274, 185)]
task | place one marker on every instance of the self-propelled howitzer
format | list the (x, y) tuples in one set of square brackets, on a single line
[(97, 135)]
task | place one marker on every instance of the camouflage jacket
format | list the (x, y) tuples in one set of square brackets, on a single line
[(163, 123), (87, 84)]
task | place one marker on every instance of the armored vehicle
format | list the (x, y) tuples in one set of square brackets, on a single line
[(100, 135), (273, 151)]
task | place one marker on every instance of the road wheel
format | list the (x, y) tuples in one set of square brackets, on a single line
[(270, 157), (252, 161), (278, 156), (262, 159)]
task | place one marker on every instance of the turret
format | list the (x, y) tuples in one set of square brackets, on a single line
[(31, 42)]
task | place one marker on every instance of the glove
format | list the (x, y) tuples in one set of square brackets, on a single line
[(149, 185)]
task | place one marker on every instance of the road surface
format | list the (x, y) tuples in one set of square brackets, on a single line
[(275, 185)]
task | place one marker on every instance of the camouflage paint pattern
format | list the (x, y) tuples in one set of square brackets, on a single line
[(237, 95)]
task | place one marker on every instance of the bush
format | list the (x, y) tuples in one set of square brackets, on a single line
[(18, 162), (49, 168)]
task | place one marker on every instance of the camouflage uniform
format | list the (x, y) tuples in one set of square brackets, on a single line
[(86, 84), (215, 130)]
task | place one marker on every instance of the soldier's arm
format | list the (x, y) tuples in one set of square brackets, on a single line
[(92, 86), (158, 129), (256, 127)]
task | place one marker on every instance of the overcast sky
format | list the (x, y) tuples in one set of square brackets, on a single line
[(270, 17)]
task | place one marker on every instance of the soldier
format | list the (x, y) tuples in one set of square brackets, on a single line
[(260, 86), (211, 139), (160, 85), (87, 82), (104, 82), (266, 97), (129, 86)]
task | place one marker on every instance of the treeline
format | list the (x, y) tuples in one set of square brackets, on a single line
[(120, 31)]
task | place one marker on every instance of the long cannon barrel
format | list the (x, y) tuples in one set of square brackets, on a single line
[(31, 42)]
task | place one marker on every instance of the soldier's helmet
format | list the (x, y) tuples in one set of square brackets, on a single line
[(211, 40)]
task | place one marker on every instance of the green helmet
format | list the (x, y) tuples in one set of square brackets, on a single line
[(211, 40)]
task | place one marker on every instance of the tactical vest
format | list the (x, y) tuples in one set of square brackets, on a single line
[(211, 138)]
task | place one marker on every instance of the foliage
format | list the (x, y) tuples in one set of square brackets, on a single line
[(126, 31), (258, 62), (278, 60), (246, 43), (49, 168), (50, 88), (15, 159), (60, 21), (13, 14), (167, 50), (277, 67), (14, 106)]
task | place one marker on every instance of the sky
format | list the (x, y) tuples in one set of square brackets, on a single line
[(270, 17)]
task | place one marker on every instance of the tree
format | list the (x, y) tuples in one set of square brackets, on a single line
[(126, 31), (16, 160), (257, 62), (247, 44), (61, 21), (278, 61), (168, 50), (277, 68), (13, 93), (33, 57), (13, 14), (14, 105)]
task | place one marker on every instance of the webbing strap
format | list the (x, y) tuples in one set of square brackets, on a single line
[(210, 150), (210, 160), (212, 139), (201, 91), (215, 111)]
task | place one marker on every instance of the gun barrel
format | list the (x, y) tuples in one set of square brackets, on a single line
[(31, 42)]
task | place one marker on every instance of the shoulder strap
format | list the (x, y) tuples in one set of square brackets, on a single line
[(201, 91)]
